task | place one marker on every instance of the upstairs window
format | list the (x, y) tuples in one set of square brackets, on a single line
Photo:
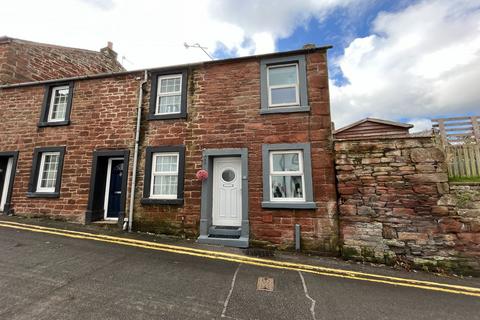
[(57, 104), (283, 84), (168, 97), (169, 94), (57, 110)]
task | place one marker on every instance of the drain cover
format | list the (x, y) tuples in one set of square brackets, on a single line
[(255, 252), (265, 284)]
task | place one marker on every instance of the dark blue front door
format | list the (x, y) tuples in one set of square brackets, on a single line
[(115, 190)]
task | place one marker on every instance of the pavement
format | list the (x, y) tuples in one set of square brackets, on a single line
[(53, 270)]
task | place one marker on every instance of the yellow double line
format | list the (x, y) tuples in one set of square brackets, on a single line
[(331, 272)]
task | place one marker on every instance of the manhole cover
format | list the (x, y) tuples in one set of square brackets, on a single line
[(265, 284)]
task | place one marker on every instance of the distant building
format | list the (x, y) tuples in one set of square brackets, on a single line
[(372, 127), (27, 61)]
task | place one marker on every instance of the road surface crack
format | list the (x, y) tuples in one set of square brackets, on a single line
[(312, 307), (225, 304)]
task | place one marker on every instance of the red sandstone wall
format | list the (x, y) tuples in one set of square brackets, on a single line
[(6, 69), (24, 61), (223, 112), (103, 117), (396, 205)]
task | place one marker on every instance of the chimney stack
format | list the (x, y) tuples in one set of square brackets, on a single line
[(108, 50), (309, 46)]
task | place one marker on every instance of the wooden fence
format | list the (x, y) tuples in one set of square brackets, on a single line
[(460, 138), (463, 160), (458, 130)]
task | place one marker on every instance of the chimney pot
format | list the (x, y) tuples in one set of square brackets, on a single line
[(110, 45), (309, 46)]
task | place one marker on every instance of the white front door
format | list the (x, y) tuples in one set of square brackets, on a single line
[(227, 192), (5, 180)]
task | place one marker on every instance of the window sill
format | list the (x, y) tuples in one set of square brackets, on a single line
[(162, 201), (43, 195), (285, 110), (53, 124), (289, 205), (166, 116)]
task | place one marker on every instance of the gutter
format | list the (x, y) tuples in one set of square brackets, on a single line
[(135, 153), (85, 77)]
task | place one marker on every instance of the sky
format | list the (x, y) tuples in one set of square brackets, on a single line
[(403, 60)]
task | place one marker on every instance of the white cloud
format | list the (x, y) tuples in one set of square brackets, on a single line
[(422, 61), (152, 33), (420, 125), (418, 63), (102, 4), (264, 42), (278, 18), (147, 33)]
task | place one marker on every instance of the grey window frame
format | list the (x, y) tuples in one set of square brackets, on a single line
[(305, 148), (47, 98), (300, 61), (36, 170)]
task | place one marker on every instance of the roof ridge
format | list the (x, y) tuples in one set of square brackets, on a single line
[(377, 120), (169, 67), (10, 39)]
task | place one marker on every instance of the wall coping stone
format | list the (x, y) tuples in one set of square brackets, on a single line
[(430, 136)]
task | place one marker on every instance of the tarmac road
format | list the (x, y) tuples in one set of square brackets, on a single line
[(50, 276)]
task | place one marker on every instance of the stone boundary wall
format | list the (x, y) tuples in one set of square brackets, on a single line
[(396, 206)]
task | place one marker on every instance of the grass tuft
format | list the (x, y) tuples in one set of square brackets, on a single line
[(464, 179)]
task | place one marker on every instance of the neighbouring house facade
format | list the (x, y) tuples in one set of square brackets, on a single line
[(233, 152), (26, 61)]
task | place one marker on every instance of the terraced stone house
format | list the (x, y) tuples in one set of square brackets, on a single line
[(232, 152)]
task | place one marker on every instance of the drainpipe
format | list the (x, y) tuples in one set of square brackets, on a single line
[(135, 153)]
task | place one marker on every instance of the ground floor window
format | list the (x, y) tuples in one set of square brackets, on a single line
[(46, 171), (287, 176), (164, 175), (164, 171)]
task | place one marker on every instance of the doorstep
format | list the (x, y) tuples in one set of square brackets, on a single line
[(224, 236), (225, 231), (107, 224), (232, 241), (100, 222)]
